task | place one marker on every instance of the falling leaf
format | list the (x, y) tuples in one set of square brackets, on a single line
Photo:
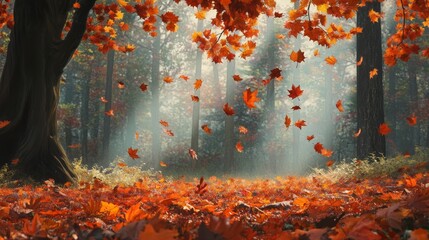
[(295, 91), (288, 121), (195, 98), (143, 87), (300, 123), (239, 147), (329, 163), (325, 152), (242, 130), (133, 153), (357, 133), (201, 15), (103, 100), (297, 56), (122, 3), (121, 85), (372, 73), (168, 79), (164, 123), (121, 164), (412, 120), (339, 105), (3, 124), (184, 77), (316, 52), (250, 98), (280, 36), (74, 146), (76, 5), (309, 138), (275, 73), (137, 136), (15, 161), (169, 132), (228, 110), (331, 60), (407, 155), (197, 84), (162, 164), (318, 147), (237, 78), (374, 16), (206, 129), (193, 154), (110, 113), (384, 129), (295, 108), (360, 61)]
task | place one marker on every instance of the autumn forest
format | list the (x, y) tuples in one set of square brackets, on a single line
[(214, 119)]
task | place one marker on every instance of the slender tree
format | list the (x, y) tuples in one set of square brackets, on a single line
[(370, 110), (229, 161), (29, 86), (108, 105), (155, 89)]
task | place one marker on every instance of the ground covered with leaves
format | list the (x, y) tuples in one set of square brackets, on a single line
[(325, 205)]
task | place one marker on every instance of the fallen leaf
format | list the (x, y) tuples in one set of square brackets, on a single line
[(133, 153)]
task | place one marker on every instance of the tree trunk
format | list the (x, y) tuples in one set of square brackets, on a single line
[(229, 161), (413, 107), (216, 83), (391, 108), (84, 114), (196, 105), (155, 89), (370, 111), (68, 99), (29, 86), (108, 104)]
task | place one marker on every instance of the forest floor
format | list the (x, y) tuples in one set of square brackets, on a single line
[(359, 200)]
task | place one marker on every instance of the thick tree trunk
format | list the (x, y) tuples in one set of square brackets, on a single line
[(29, 86), (370, 110)]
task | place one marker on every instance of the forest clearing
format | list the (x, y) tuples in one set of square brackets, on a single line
[(214, 119)]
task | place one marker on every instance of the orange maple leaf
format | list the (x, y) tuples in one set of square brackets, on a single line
[(168, 79), (195, 98), (239, 147), (164, 123), (3, 124), (162, 164), (133, 153), (339, 105), (331, 60), (193, 154), (327, 153), (288, 121), (300, 123), (372, 73), (316, 52), (237, 78), (198, 83), (357, 133), (412, 120), (250, 98), (121, 85), (143, 87), (184, 77), (103, 100), (297, 56), (295, 92), (384, 129), (110, 113), (360, 61), (228, 110), (206, 129), (374, 16), (76, 5), (200, 15), (242, 130)]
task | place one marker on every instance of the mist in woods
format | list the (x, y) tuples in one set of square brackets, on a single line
[(147, 102)]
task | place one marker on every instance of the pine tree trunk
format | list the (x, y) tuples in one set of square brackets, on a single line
[(29, 86), (370, 110)]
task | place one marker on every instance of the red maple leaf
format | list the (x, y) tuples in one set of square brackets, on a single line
[(143, 87), (228, 110), (297, 56), (412, 120), (295, 92), (275, 73), (300, 123), (384, 129), (133, 153)]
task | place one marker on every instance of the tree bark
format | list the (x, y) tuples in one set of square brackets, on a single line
[(229, 161), (29, 86), (108, 104), (84, 114), (413, 107), (155, 89), (370, 110)]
